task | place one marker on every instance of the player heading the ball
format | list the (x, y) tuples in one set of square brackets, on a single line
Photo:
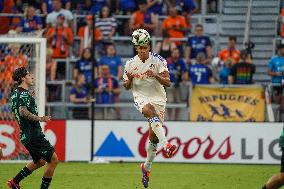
[(147, 75)]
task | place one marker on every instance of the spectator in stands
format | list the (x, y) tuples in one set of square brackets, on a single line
[(165, 47), (230, 55), (60, 38), (200, 73), (16, 19), (30, 22), (106, 23), (155, 6), (198, 44), (5, 7), (106, 86), (51, 65), (224, 72), (47, 6), (143, 18), (79, 94), (113, 61), (276, 71), (82, 8), (51, 19), (126, 6), (242, 72), (178, 74), (84, 65), (98, 5), (176, 26), (184, 7), (15, 59), (84, 34)]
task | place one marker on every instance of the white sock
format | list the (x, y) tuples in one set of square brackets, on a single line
[(151, 154), (158, 129)]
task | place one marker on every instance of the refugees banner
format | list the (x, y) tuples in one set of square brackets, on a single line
[(227, 104)]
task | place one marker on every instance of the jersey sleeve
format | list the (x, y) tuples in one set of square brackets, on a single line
[(162, 66), (126, 70)]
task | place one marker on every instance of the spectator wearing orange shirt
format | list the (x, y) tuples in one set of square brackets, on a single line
[(60, 38), (15, 59), (84, 33), (175, 25), (143, 18), (231, 54)]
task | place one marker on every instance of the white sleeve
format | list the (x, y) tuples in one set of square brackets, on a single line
[(69, 15), (48, 19), (126, 70), (162, 66)]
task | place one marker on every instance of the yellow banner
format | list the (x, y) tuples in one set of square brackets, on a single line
[(227, 104)]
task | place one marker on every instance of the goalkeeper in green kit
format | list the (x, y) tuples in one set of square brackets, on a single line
[(25, 110), (277, 180)]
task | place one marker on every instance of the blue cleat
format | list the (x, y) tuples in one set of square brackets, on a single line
[(145, 176)]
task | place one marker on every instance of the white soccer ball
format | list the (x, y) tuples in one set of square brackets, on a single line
[(140, 37)]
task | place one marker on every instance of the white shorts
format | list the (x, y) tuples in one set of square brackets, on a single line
[(139, 103)]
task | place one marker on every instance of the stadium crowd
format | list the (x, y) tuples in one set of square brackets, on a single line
[(191, 61)]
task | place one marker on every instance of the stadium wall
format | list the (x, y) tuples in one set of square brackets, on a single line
[(198, 142)]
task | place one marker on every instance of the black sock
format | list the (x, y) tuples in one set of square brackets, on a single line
[(22, 174), (45, 183), (264, 187)]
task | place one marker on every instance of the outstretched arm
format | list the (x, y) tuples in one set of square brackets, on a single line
[(30, 116)]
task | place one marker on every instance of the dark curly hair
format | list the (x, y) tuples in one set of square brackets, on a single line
[(19, 73)]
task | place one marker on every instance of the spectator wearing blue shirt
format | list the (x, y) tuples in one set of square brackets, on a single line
[(106, 87), (276, 71), (114, 62), (84, 65), (178, 73), (198, 44), (200, 73), (79, 94), (31, 22)]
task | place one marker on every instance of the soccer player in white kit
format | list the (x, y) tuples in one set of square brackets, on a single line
[(147, 74)]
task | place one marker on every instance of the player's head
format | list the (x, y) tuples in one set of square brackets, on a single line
[(21, 75), (141, 41)]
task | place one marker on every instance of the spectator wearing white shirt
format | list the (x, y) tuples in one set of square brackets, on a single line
[(51, 18)]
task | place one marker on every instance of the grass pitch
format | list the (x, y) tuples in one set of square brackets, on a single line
[(163, 176)]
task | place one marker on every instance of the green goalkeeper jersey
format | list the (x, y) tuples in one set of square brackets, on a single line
[(28, 128)]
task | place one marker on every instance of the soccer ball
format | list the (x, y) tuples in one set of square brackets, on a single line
[(140, 37)]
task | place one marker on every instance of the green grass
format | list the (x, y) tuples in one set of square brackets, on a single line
[(163, 176)]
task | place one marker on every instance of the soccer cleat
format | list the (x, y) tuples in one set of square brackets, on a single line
[(145, 176), (170, 150), (13, 185)]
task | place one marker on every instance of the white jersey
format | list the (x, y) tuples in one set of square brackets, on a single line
[(144, 87)]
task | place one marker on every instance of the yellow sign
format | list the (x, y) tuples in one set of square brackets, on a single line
[(227, 104)]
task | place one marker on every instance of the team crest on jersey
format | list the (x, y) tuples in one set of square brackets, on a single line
[(152, 66)]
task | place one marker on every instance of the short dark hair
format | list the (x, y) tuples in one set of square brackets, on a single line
[(232, 38), (142, 2), (19, 73)]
